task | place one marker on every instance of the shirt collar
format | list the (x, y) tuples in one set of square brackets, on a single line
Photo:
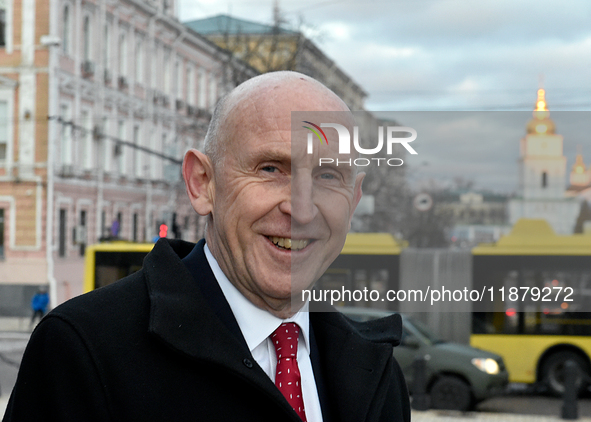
[(256, 324)]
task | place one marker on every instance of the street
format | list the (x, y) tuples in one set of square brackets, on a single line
[(521, 402), (12, 347)]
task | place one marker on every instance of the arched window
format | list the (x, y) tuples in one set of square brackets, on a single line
[(66, 30)]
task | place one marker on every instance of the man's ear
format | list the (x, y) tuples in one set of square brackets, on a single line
[(198, 175)]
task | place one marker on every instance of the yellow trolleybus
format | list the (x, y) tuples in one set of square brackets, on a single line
[(368, 260), (107, 262), (541, 313)]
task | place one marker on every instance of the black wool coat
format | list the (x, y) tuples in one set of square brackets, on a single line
[(151, 348)]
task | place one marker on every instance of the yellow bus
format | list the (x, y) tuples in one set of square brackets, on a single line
[(368, 260), (537, 321), (107, 262)]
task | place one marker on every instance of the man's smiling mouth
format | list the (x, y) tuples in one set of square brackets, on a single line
[(287, 243)]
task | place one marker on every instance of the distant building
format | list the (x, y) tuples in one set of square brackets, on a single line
[(98, 102), (478, 217), (542, 171), (270, 48), (580, 187)]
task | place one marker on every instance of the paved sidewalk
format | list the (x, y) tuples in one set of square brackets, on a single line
[(3, 404), (15, 324), (440, 416)]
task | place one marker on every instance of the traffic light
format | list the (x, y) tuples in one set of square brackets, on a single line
[(163, 230)]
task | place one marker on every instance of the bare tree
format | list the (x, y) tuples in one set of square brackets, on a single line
[(394, 211)]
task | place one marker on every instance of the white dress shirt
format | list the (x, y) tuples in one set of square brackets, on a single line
[(257, 326)]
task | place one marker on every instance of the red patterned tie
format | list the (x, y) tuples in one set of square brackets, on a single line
[(287, 375)]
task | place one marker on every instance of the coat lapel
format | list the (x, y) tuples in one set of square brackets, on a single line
[(354, 364), (181, 317)]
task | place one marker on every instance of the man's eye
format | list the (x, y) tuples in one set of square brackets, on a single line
[(327, 176), (270, 169)]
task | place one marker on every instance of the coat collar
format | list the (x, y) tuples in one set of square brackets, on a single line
[(180, 316)]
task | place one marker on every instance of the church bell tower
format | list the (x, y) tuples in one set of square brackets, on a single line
[(542, 164)]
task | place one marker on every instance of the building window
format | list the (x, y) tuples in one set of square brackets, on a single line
[(178, 79), (66, 30), (118, 155), (135, 227), (120, 221), (202, 89), (3, 130), (139, 58), (1, 234), (105, 156), (62, 233), (137, 165), (86, 38), (155, 71), (212, 90), (122, 54), (97, 146), (544, 179), (166, 67), (106, 49), (82, 233), (151, 169), (161, 163), (66, 129), (2, 24), (190, 86), (104, 232), (86, 141)]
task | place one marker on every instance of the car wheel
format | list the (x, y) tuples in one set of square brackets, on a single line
[(450, 393), (553, 373)]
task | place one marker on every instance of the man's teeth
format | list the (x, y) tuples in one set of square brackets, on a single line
[(287, 243)]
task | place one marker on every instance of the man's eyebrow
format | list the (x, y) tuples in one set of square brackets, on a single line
[(271, 154)]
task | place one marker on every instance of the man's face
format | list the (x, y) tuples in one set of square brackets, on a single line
[(279, 219)]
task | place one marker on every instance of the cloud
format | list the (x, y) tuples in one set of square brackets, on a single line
[(455, 54)]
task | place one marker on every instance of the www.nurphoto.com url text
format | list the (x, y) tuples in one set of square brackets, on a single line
[(441, 294)]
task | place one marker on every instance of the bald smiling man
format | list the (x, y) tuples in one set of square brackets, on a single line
[(217, 331)]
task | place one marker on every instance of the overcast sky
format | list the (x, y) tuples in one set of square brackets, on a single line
[(442, 55)]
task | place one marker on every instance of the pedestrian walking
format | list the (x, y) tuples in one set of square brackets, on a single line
[(39, 304)]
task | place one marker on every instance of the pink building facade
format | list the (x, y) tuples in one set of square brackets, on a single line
[(102, 98)]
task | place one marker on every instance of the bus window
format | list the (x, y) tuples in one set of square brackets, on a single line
[(370, 262), (112, 266), (108, 262)]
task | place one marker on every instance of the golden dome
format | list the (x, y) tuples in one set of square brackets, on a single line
[(541, 124), (579, 165)]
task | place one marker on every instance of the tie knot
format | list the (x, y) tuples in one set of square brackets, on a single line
[(285, 340)]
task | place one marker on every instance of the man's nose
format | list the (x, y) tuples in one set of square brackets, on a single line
[(301, 205)]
